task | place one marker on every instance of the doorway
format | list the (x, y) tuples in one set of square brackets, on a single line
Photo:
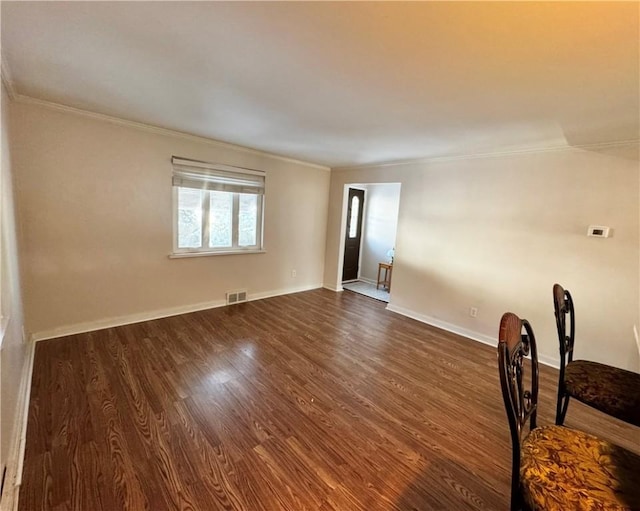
[(370, 224), (353, 235)]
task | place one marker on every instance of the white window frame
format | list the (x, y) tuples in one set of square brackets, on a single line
[(206, 170)]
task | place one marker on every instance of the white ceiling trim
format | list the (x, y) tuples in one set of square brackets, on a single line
[(496, 154), (5, 73), (21, 98)]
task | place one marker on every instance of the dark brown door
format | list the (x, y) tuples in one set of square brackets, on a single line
[(353, 234)]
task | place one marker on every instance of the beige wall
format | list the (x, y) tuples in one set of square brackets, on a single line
[(497, 232), (13, 355), (95, 203)]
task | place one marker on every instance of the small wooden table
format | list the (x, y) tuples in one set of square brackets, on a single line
[(386, 280)]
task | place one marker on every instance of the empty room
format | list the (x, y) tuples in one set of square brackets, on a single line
[(323, 256)]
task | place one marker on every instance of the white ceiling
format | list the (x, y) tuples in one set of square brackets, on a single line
[(340, 83)]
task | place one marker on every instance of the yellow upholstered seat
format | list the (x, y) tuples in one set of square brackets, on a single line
[(564, 469)]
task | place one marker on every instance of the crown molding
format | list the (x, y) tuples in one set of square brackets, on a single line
[(5, 72), (494, 154), (21, 98)]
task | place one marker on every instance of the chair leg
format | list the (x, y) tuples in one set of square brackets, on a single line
[(561, 409), (517, 502)]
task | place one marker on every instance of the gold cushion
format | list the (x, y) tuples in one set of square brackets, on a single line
[(609, 389), (564, 469)]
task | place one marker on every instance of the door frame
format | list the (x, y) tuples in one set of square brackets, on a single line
[(343, 229), (337, 287)]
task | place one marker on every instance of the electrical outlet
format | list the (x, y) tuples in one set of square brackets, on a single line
[(473, 312), (294, 273)]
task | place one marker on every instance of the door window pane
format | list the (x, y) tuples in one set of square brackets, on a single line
[(220, 219), (353, 221), (189, 218), (247, 219)]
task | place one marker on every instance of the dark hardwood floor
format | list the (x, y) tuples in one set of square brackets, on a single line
[(312, 401)]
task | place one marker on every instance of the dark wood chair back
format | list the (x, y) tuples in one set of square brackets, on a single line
[(516, 342), (566, 326)]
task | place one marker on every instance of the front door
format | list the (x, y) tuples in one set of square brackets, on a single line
[(353, 235)]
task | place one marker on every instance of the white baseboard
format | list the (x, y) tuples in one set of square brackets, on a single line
[(286, 291), (549, 361), (464, 332), (336, 289), (369, 281), (13, 477), (91, 326)]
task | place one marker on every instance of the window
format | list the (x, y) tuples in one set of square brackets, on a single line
[(217, 208), (353, 221)]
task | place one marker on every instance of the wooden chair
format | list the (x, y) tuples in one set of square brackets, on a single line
[(553, 467), (611, 390)]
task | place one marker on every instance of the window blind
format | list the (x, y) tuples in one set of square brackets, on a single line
[(223, 178)]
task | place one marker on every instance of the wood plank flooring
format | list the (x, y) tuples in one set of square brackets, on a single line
[(312, 401)]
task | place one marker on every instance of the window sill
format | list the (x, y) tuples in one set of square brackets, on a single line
[(180, 255)]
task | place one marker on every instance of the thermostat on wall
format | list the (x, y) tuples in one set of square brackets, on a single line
[(598, 231)]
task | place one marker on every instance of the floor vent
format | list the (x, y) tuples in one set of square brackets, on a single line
[(236, 297)]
